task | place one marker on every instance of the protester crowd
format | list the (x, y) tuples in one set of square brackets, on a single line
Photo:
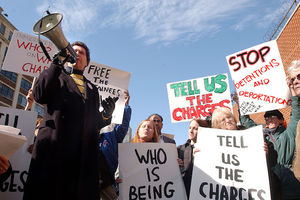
[(75, 153)]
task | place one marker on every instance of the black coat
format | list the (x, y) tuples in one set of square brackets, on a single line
[(64, 160), (185, 153)]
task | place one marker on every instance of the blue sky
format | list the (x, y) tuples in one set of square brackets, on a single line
[(158, 41)]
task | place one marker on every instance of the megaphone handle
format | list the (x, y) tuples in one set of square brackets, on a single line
[(44, 50)]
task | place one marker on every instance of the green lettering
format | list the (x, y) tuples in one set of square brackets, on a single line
[(191, 91), (183, 89), (223, 84), (176, 86), (197, 91), (209, 87)]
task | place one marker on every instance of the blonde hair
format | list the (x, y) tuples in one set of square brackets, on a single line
[(295, 65), (217, 116), (136, 138)]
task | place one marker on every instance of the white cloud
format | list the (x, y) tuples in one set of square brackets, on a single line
[(153, 21), (241, 25)]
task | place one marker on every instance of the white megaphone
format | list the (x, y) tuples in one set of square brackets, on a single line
[(50, 27)]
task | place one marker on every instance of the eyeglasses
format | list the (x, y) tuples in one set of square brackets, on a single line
[(293, 79), (271, 117)]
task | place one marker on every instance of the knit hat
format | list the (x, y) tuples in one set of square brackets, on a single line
[(276, 113)]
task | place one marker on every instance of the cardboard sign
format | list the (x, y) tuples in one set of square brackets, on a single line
[(259, 78), (198, 98), (13, 187), (149, 171), (10, 140), (25, 55), (231, 164), (110, 82)]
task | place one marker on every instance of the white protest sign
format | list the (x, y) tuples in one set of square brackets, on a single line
[(25, 55), (110, 82), (150, 171), (231, 164), (10, 141), (13, 187), (259, 78), (198, 98)]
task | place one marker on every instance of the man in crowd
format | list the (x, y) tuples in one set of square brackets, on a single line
[(64, 161), (158, 121)]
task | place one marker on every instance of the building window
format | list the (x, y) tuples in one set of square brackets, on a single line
[(10, 35), (22, 100), (2, 28), (10, 75), (6, 91), (39, 109), (25, 84), (5, 51)]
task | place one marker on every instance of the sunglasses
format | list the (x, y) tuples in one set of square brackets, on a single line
[(293, 79), (270, 118)]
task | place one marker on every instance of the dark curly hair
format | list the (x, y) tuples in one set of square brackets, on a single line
[(87, 51)]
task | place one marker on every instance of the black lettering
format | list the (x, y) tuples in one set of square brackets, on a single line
[(142, 158), (12, 186), (256, 57), (263, 54), (142, 194), (242, 57), (164, 160), (23, 177), (250, 197), (201, 189), (156, 175), (221, 139), (212, 192), (233, 193), (235, 162), (157, 192), (259, 194), (132, 193), (223, 193), (171, 191), (231, 59)]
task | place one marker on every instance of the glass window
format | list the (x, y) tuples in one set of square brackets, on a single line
[(22, 100), (5, 51), (2, 28), (10, 35), (10, 75), (39, 109), (6, 91), (25, 84)]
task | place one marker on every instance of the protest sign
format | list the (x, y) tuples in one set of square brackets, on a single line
[(150, 171), (198, 98), (10, 140), (110, 82), (231, 164), (25, 55), (13, 187), (259, 78)]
